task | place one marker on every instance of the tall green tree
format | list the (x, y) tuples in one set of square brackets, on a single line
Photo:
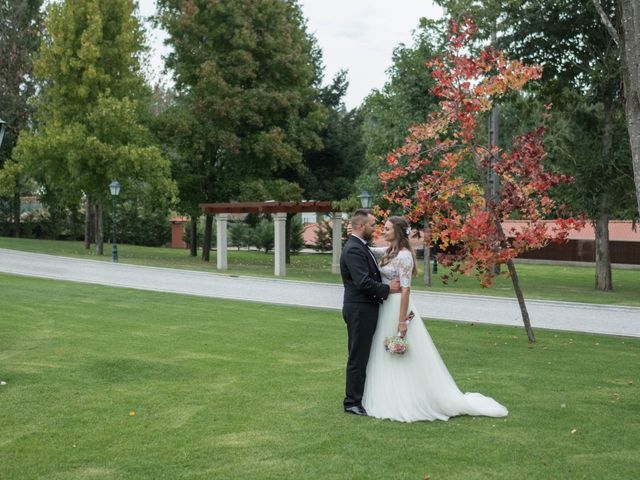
[(626, 34), (20, 36), (330, 172), (405, 100), (246, 74), (88, 120), (578, 53)]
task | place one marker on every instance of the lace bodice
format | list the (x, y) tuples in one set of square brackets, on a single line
[(401, 266)]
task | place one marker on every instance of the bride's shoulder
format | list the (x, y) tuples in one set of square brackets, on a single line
[(404, 255)]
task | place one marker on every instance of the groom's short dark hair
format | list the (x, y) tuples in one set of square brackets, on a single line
[(360, 216)]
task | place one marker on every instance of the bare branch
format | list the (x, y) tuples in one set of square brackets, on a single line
[(606, 22)]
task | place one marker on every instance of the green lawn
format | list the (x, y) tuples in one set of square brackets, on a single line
[(108, 383), (550, 282)]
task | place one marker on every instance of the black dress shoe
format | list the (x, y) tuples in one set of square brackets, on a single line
[(356, 410)]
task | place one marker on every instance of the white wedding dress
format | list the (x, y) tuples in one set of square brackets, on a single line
[(417, 385)]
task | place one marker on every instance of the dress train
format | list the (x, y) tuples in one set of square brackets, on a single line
[(417, 385)]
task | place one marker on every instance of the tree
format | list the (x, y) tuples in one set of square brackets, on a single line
[(263, 236), (428, 179), (20, 34), (579, 54), (172, 127), (627, 37), (239, 234), (404, 100), (245, 72), (581, 74), (330, 171), (88, 129)]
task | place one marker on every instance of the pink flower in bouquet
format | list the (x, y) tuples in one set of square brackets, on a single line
[(395, 345)]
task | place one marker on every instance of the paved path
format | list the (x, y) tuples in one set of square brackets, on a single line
[(602, 319)]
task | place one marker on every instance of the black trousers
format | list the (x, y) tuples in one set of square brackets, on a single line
[(361, 320)]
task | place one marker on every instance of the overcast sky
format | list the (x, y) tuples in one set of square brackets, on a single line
[(355, 35)]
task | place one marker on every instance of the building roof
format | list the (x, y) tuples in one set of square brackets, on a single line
[(619, 230)]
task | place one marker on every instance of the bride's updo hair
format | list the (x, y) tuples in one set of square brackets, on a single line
[(402, 230)]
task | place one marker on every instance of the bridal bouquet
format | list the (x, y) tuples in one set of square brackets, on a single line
[(395, 345)]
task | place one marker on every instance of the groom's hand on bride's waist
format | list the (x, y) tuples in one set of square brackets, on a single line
[(394, 286)]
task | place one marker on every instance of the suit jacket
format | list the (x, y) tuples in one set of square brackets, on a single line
[(360, 274)]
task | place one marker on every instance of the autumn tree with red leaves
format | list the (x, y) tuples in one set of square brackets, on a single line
[(441, 175)]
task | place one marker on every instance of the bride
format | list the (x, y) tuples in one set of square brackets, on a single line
[(417, 385)]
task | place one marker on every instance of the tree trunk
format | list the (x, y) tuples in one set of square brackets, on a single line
[(193, 236), (516, 284), (206, 242), (489, 192), (99, 230), (629, 11), (87, 222), (511, 267), (603, 258), (427, 253), (492, 178), (523, 306), (16, 210)]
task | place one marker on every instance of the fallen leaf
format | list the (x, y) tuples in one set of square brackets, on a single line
[(132, 413)]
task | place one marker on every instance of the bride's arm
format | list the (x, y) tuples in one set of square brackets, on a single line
[(378, 252), (405, 270), (404, 306)]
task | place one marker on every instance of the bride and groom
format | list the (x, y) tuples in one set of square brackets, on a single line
[(377, 304)]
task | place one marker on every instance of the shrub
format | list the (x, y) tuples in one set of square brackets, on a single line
[(239, 234), (297, 239), (263, 237)]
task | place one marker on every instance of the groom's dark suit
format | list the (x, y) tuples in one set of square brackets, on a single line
[(363, 294)]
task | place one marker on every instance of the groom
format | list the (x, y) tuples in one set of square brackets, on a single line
[(363, 294)]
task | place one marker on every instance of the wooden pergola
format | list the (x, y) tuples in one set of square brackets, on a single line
[(279, 211)]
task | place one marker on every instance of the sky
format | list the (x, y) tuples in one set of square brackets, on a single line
[(355, 35)]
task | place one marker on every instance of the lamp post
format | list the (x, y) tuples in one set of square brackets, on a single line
[(365, 199), (3, 127), (114, 187)]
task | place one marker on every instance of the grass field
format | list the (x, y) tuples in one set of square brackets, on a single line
[(549, 282), (108, 383)]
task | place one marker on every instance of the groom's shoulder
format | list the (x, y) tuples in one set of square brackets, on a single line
[(350, 245), (352, 242)]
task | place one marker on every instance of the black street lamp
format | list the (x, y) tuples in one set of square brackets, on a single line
[(114, 187), (365, 199), (3, 127)]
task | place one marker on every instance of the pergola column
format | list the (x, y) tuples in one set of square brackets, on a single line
[(280, 244), (221, 240), (336, 246), (279, 210)]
